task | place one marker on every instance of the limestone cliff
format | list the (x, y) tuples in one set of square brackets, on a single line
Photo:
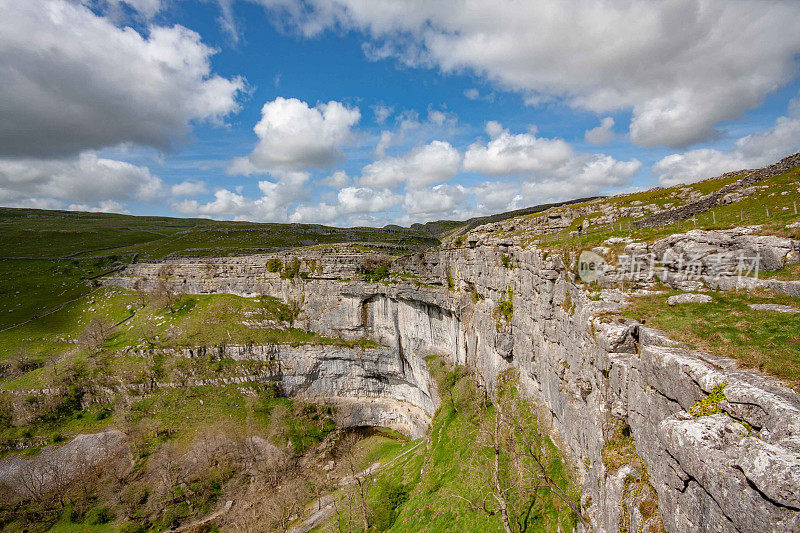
[(591, 371)]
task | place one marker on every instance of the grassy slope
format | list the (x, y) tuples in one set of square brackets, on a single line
[(94, 243), (771, 207), (435, 475), (767, 341)]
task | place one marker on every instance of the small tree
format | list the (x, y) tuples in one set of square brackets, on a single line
[(140, 287), (513, 459), (94, 334), (165, 295)]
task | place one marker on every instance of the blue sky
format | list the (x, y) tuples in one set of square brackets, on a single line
[(348, 112)]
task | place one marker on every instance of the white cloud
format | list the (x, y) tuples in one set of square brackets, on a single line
[(752, 151), (337, 180), (227, 22), (442, 118), (382, 113), (106, 206), (386, 140), (292, 135), (513, 154), (146, 8), (188, 188), (549, 168), (497, 196), (474, 94), (349, 201), (436, 201), (602, 134), (72, 80), (424, 165), (86, 178), (272, 205), (678, 65)]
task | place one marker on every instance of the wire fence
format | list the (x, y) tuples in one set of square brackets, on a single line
[(751, 216)]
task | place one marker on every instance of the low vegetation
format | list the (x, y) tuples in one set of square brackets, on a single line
[(765, 340), (489, 466)]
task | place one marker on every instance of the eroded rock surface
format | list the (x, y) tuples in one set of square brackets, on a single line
[(590, 371)]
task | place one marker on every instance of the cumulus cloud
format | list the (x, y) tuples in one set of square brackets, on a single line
[(497, 196), (337, 180), (424, 165), (752, 151), (72, 80), (188, 188), (272, 205), (349, 201), (676, 65), (85, 179), (549, 167), (106, 206), (602, 134), (386, 140), (513, 154), (294, 136), (434, 201), (525, 153)]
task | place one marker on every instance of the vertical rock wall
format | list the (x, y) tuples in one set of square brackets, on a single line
[(592, 372)]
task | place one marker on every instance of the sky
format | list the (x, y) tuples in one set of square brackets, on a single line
[(375, 112)]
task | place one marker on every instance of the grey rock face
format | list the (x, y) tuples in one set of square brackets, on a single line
[(590, 372), (56, 466)]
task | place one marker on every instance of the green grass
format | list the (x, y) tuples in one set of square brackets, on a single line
[(764, 340), (194, 320), (434, 475), (93, 242), (771, 207)]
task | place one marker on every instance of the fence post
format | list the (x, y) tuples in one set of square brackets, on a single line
[(767, 208), (795, 207), (714, 215)]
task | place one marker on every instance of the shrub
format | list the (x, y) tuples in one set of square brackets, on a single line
[(292, 269), (506, 260), (710, 404), (274, 264), (378, 274), (506, 307), (99, 515)]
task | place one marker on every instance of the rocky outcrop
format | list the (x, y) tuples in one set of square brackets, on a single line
[(55, 467), (495, 307), (718, 259)]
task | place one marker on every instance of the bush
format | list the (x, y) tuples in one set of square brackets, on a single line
[(380, 273), (99, 515), (291, 270), (506, 307), (274, 265)]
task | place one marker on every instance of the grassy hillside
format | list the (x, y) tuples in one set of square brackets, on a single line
[(773, 204), (441, 484), (48, 258)]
